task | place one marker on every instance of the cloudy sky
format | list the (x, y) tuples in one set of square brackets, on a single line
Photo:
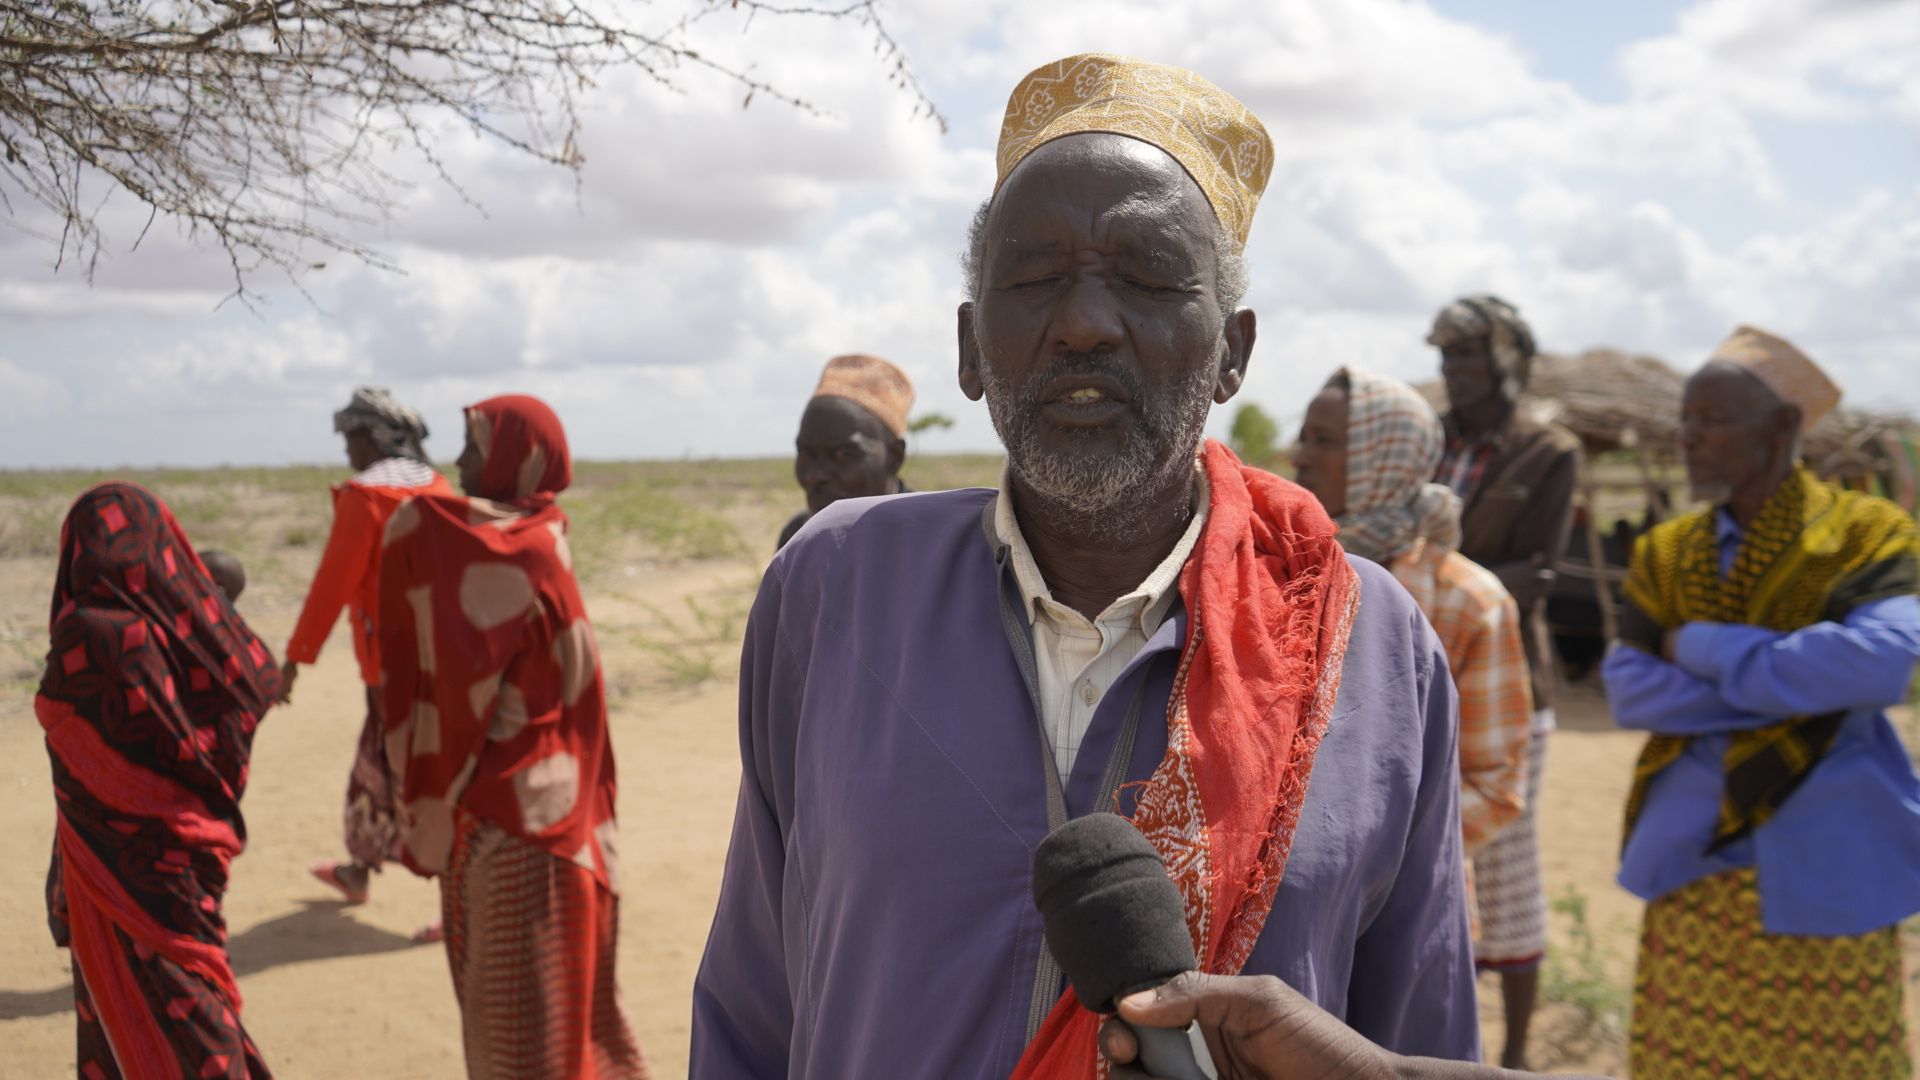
[(1634, 174)]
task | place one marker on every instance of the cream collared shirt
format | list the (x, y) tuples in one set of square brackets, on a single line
[(1077, 659)]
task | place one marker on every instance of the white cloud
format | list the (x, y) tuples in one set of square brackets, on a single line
[(1796, 58), (26, 393), (683, 296)]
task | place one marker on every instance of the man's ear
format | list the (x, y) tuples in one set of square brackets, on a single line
[(896, 455), (969, 355), (1238, 335)]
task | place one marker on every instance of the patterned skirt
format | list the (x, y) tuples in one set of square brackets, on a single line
[(532, 941), (201, 1025), (1510, 900), (370, 827), (1716, 996)]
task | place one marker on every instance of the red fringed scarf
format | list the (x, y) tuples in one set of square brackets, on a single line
[(1270, 601)]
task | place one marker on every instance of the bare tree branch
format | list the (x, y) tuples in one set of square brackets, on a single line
[(263, 124)]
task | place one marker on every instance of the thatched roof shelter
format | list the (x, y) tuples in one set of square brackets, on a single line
[(1613, 400)]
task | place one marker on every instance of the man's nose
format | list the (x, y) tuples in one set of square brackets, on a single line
[(1089, 316)]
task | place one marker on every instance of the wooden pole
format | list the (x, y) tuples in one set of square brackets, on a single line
[(1656, 498), (1596, 553)]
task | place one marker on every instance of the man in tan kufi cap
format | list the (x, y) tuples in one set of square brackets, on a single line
[(852, 438), (1773, 826), (1788, 372), (1133, 621)]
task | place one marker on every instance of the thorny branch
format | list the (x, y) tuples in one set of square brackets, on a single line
[(263, 124)]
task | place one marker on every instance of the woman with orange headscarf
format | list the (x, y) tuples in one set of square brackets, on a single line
[(497, 733), (153, 689)]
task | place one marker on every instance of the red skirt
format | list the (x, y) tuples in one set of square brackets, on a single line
[(532, 941)]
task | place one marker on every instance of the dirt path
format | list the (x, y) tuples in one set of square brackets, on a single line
[(337, 991), (334, 991)]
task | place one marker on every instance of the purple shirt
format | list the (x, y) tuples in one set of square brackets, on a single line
[(876, 917)]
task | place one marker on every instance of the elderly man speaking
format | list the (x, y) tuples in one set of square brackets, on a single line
[(1134, 620), (1774, 822)]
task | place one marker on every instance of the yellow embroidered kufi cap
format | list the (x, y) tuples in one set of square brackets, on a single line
[(872, 383), (1786, 370), (1220, 143)]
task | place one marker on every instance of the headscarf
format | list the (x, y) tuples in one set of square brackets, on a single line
[(1785, 370), (1394, 443), (1219, 141), (1509, 338), (524, 448), (153, 689), (873, 384), (486, 646), (136, 599), (398, 431)]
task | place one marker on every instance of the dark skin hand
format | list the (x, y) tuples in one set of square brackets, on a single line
[(1258, 1028), (1100, 245), (362, 454), (845, 452), (1320, 461), (1476, 395)]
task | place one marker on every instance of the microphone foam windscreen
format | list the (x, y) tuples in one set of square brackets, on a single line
[(1114, 920)]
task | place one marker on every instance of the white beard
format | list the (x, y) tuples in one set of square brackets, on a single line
[(1114, 489), (1715, 493)]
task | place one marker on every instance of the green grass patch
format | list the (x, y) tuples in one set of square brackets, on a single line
[(695, 647), (1576, 975), (639, 519)]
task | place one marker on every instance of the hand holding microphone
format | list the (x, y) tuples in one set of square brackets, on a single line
[(1118, 927), (1257, 1028)]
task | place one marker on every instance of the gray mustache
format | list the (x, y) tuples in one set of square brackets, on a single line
[(1097, 363)]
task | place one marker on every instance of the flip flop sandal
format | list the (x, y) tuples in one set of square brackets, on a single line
[(328, 872), (432, 933)]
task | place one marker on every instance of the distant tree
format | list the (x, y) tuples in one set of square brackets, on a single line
[(1254, 435), (265, 124), (925, 422), (932, 421)]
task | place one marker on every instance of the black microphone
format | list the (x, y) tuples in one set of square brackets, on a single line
[(1116, 924)]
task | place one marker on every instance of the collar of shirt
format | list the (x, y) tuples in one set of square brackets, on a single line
[(396, 472), (1145, 606), (1725, 529), (1076, 659), (1727, 534)]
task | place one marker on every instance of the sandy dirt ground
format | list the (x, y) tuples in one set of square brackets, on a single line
[(335, 991)]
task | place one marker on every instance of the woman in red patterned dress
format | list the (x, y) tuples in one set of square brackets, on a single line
[(153, 689), (497, 732)]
